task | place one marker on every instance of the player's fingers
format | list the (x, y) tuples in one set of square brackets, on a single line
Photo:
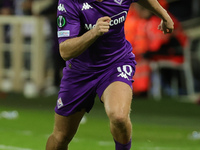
[(164, 30), (103, 25), (104, 28), (170, 30), (105, 19), (104, 22), (160, 27)]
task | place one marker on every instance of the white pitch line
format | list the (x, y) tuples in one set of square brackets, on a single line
[(4, 147), (163, 148), (105, 143)]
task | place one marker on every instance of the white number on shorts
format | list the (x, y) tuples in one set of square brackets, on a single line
[(127, 69), (124, 71)]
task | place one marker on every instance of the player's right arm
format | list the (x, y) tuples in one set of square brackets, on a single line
[(73, 47)]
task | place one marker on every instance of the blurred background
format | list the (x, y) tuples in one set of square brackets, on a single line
[(29, 55), (166, 89)]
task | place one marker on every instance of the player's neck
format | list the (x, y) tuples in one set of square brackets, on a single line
[(99, 0)]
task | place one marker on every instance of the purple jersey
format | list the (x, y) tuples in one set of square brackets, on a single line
[(75, 17)]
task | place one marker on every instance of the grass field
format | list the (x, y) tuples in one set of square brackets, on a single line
[(163, 125)]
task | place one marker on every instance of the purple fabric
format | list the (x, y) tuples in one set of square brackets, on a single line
[(119, 146), (75, 17), (108, 59), (78, 89)]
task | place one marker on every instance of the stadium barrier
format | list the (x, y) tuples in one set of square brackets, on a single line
[(21, 38), (193, 33)]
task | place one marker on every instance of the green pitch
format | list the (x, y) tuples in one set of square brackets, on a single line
[(164, 125)]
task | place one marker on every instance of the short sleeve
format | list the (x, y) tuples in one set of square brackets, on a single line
[(68, 21)]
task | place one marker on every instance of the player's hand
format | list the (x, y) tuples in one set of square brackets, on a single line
[(102, 25), (166, 26)]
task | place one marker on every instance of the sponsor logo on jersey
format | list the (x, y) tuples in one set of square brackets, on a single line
[(59, 103), (61, 8), (118, 18), (63, 33), (61, 21), (115, 20), (86, 6), (118, 1), (89, 26)]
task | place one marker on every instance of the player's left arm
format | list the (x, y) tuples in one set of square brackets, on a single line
[(166, 25)]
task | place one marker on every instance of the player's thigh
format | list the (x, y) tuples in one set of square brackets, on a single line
[(66, 126), (117, 98)]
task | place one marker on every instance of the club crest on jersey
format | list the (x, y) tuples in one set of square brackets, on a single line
[(59, 103), (61, 21), (118, 1)]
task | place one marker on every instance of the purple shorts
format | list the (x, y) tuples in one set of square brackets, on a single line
[(78, 89)]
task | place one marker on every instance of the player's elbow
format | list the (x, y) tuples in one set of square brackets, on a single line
[(64, 53), (65, 56)]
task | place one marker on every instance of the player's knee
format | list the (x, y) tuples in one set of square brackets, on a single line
[(62, 138), (119, 119)]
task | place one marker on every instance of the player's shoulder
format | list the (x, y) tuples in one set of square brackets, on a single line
[(71, 3), (69, 6)]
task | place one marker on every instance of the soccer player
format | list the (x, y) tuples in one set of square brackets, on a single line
[(99, 60)]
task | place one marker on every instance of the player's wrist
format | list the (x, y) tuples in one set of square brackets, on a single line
[(95, 33), (165, 16)]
